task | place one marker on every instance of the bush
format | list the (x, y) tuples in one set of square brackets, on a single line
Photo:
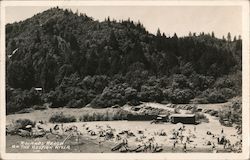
[(167, 94), (179, 81), (199, 100), (96, 117), (232, 114), (18, 100), (182, 96), (39, 107), (61, 118), (176, 110), (75, 103), (216, 97), (224, 82), (84, 118), (14, 127), (201, 117), (194, 109), (22, 123), (214, 113), (118, 94), (228, 93), (150, 94)]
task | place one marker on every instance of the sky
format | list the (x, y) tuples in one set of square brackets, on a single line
[(169, 19)]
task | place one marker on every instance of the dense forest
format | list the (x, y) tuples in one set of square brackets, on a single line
[(79, 61)]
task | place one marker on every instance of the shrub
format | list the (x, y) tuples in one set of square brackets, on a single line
[(75, 103), (179, 81), (121, 114), (39, 107), (118, 94), (61, 118), (199, 100), (150, 94), (99, 117), (216, 97), (224, 82), (96, 117), (228, 93), (214, 113), (232, 114), (84, 118), (167, 94), (18, 100), (182, 96), (201, 117), (22, 123), (14, 127), (194, 109), (176, 110)]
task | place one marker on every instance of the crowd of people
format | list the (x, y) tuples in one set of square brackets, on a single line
[(180, 138)]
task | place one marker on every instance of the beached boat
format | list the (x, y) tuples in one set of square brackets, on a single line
[(158, 149), (123, 149), (118, 146)]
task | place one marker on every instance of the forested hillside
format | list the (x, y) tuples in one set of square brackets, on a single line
[(79, 61)]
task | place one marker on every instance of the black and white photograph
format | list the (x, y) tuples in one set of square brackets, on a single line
[(126, 78)]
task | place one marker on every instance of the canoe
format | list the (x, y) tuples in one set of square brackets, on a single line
[(140, 149), (123, 149), (118, 146), (132, 149), (158, 149)]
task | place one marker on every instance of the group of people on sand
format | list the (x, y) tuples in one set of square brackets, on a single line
[(183, 137), (142, 141)]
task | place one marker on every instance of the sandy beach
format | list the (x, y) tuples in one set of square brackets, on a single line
[(202, 137)]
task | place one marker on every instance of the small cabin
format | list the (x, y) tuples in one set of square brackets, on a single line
[(38, 89), (182, 118)]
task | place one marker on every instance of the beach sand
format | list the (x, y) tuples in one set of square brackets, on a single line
[(94, 143)]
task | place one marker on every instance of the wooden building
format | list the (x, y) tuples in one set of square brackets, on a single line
[(138, 117), (182, 118)]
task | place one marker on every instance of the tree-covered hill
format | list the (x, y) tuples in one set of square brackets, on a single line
[(78, 60)]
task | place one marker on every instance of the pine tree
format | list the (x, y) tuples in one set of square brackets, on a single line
[(239, 37), (235, 39), (163, 35), (213, 34), (175, 36), (190, 34), (229, 37), (113, 41), (223, 38), (158, 34)]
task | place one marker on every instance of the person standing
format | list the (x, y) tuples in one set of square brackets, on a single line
[(185, 147)]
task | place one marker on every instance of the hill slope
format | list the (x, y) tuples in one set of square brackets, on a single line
[(76, 60)]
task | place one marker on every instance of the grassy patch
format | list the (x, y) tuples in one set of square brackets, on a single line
[(104, 116), (61, 118)]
